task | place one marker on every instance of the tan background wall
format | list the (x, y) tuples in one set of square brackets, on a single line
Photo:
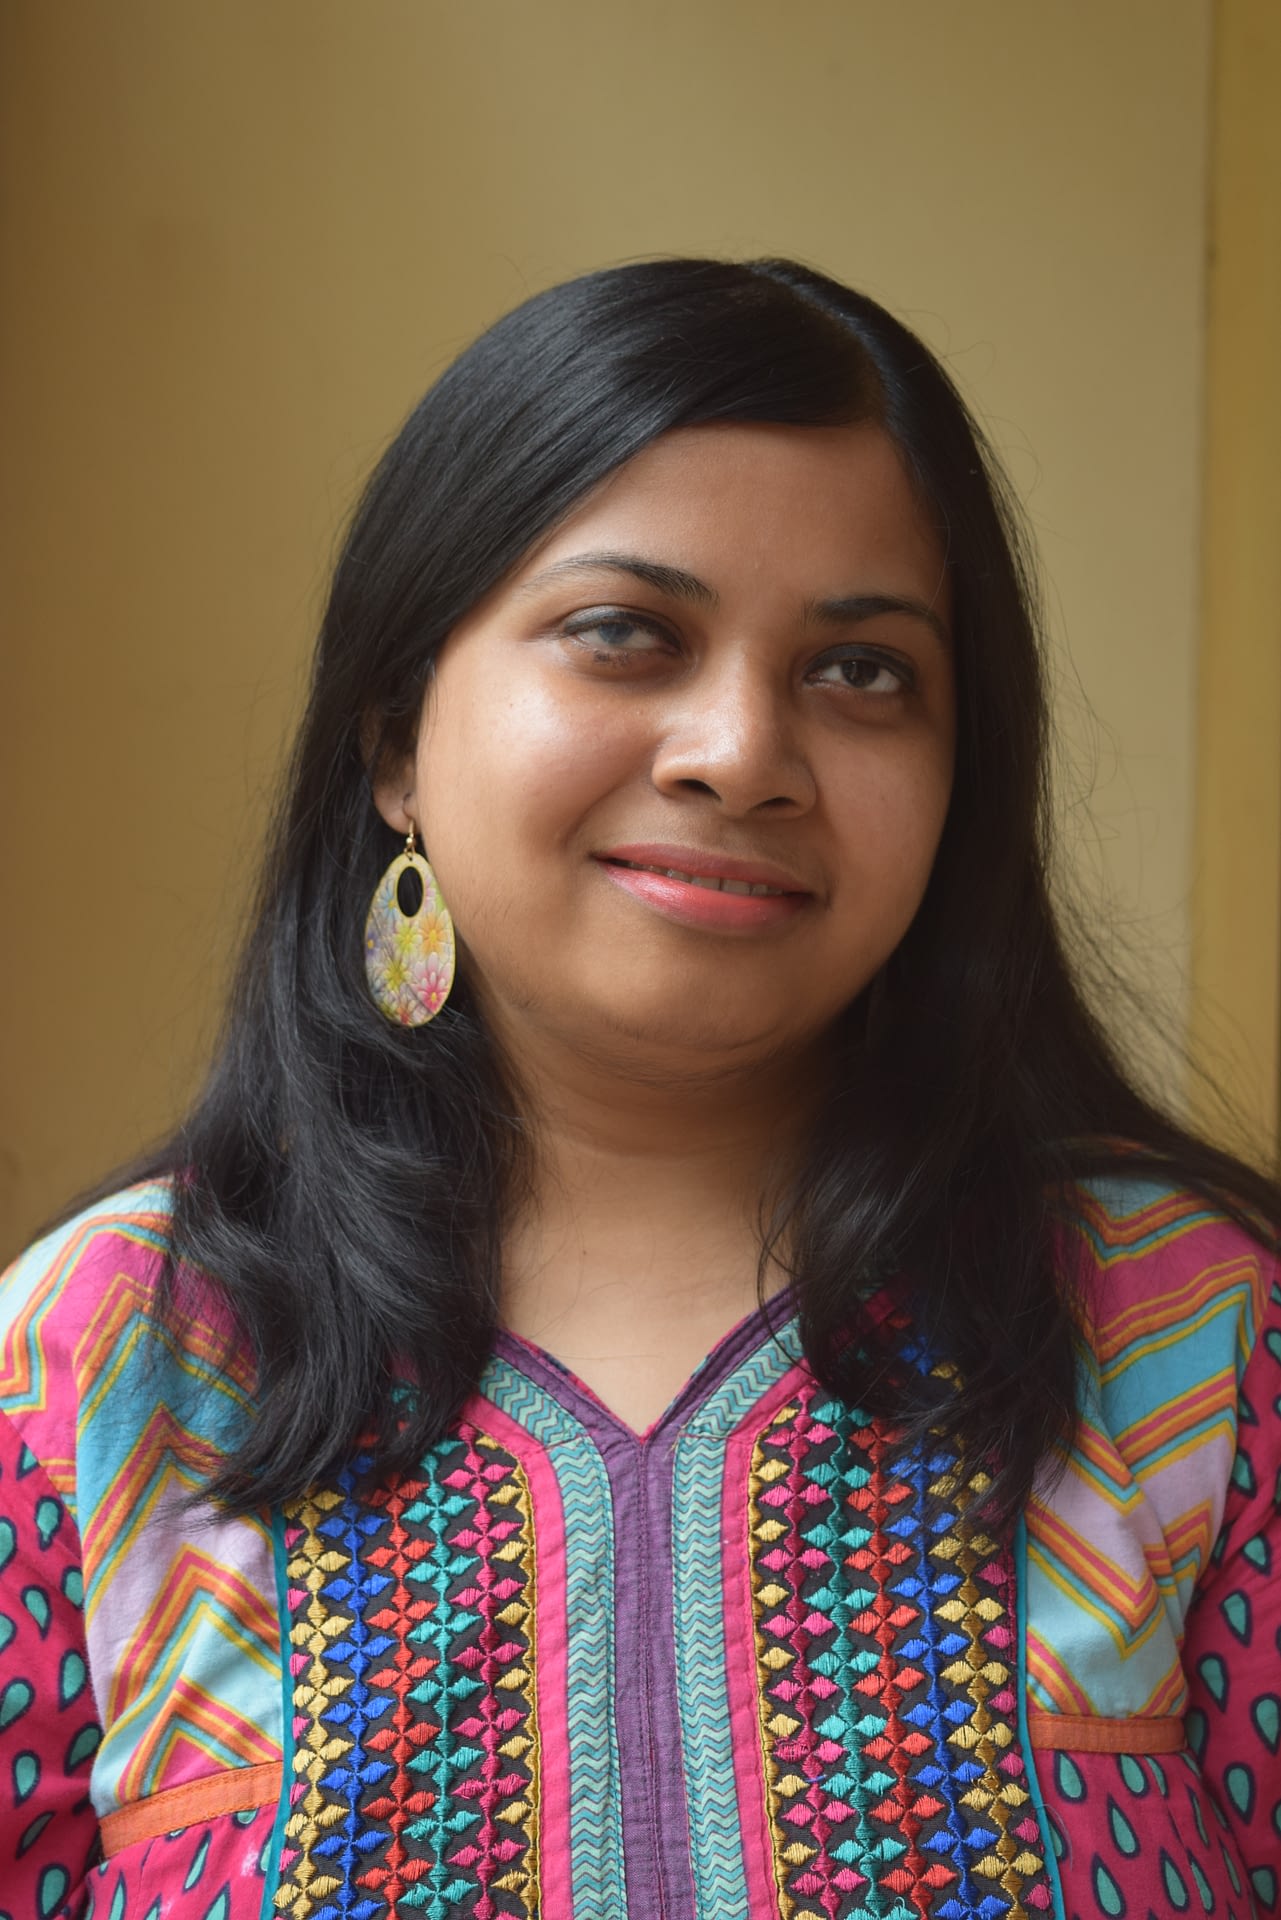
[(1236, 895), (239, 239)]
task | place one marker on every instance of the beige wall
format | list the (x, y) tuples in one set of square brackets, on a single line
[(240, 238), (1236, 892)]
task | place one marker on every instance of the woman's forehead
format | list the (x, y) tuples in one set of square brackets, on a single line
[(732, 495)]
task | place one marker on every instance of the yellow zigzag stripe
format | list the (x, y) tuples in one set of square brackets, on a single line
[(18, 1379), (194, 1586), (123, 1326), (194, 1719), (1117, 1238), (1170, 1431), (167, 1461), (1218, 1286), (1050, 1682)]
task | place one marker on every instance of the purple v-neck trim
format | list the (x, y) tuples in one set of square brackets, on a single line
[(565, 1387), (660, 1881)]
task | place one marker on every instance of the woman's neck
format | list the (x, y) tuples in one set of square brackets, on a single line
[(638, 1244)]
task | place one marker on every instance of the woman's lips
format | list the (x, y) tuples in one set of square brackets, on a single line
[(716, 900)]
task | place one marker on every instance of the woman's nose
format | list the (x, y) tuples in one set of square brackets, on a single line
[(734, 738)]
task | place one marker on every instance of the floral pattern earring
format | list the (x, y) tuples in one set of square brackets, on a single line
[(409, 957)]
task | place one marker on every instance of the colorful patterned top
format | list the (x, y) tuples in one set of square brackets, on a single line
[(736, 1668)]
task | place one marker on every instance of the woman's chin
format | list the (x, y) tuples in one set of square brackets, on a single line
[(645, 1028), (686, 1041)]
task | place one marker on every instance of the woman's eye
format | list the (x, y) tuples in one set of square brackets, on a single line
[(613, 636), (865, 673)]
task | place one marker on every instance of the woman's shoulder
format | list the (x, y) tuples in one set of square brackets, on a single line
[(1134, 1540), (1179, 1310), (1155, 1265), (88, 1341), (118, 1244)]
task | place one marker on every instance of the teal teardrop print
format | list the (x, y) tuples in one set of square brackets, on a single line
[(72, 1675), (1236, 1611), (48, 1519), (36, 1601), (84, 1746), (119, 1902), (1196, 1730), (14, 1701), (52, 1891), (1106, 1891), (1243, 1474), (1240, 1785), (1264, 1882), (1202, 1886), (8, 1542), (1133, 1775), (1176, 1889), (26, 1776), (73, 1586), (197, 1866), (1123, 1834), (1266, 1715), (1258, 1553), (7, 1631), (27, 1462), (34, 1831), (1215, 1675), (1230, 1868), (1067, 1778), (221, 1907)]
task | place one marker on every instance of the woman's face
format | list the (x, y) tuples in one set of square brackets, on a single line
[(730, 664)]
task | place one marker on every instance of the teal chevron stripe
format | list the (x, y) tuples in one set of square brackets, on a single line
[(721, 1412), (522, 1400), (170, 1479), (1127, 1630), (596, 1812), (1175, 1344), (37, 1279), (716, 1848), (1124, 1200), (1124, 1496), (206, 1643), (140, 1373)]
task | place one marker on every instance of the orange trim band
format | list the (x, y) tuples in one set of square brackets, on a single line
[(243, 1789), (239, 1790), (1090, 1733)]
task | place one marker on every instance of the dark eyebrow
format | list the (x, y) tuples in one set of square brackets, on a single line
[(866, 606), (672, 580), (680, 585)]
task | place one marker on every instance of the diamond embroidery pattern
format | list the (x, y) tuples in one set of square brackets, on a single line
[(416, 1753), (886, 1654)]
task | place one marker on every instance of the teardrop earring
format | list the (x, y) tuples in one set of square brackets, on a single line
[(409, 957)]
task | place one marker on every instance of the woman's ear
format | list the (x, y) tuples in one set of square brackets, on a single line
[(392, 776), (393, 789), (390, 751)]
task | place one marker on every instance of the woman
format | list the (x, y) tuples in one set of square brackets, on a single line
[(729, 1403)]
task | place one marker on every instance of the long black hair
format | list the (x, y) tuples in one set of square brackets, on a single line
[(345, 1181)]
